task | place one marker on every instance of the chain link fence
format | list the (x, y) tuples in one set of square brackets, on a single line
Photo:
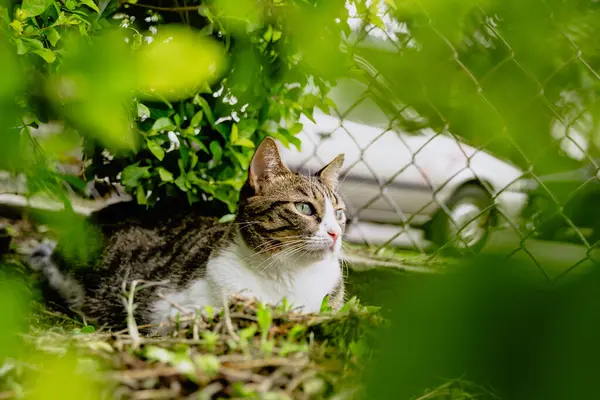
[(427, 173)]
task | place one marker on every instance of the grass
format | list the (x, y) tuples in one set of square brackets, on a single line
[(249, 350), (246, 351)]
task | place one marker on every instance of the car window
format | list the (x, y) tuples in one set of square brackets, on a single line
[(356, 102)]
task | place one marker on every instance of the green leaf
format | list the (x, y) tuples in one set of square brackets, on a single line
[(91, 4), (17, 26), (244, 143), (296, 331), (143, 112), (216, 150), (156, 149), (52, 35), (88, 329), (133, 175), (226, 218), (35, 7), (276, 35), (140, 195), (200, 144), (208, 363), (264, 319), (296, 128), (165, 176), (248, 333), (163, 124), (391, 4), (180, 182), (197, 118), (154, 353), (210, 312), (240, 158), (325, 308), (21, 48), (73, 181), (46, 54), (201, 101), (234, 133)]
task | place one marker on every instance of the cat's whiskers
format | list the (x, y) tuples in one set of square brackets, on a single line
[(272, 245), (280, 257)]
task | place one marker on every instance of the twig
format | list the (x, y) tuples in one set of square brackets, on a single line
[(131, 325), (175, 305), (207, 392), (267, 362), (170, 9), (126, 330), (140, 374), (297, 381), (241, 375), (227, 318), (266, 385), (149, 394), (437, 391), (243, 316), (61, 316)]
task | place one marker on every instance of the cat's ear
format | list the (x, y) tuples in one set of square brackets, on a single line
[(331, 172), (266, 164)]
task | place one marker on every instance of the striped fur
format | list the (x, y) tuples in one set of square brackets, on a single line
[(196, 260)]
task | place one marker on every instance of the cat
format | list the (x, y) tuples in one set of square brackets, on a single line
[(285, 242)]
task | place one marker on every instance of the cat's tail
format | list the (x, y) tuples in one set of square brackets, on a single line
[(58, 286)]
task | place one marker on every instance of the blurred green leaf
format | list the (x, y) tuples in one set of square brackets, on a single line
[(79, 240), (91, 4), (62, 378), (10, 84), (177, 63), (92, 85), (208, 363), (35, 7), (88, 329), (265, 319), (13, 318), (52, 35)]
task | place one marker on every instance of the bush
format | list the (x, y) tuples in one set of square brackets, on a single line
[(170, 101)]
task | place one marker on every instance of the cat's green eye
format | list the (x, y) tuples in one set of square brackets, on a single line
[(340, 215), (304, 208)]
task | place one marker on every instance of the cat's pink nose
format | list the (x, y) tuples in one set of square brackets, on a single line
[(334, 235)]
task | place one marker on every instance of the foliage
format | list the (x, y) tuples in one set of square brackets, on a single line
[(253, 351), (513, 76), (170, 101)]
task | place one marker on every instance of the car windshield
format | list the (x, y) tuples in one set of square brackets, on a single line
[(357, 102)]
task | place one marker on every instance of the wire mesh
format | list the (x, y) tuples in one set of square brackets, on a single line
[(512, 213)]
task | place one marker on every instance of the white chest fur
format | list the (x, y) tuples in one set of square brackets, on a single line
[(235, 270)]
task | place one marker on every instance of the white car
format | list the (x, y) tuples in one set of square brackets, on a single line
[(423, 179)]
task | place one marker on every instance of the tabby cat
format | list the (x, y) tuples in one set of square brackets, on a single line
[(285, 242)]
